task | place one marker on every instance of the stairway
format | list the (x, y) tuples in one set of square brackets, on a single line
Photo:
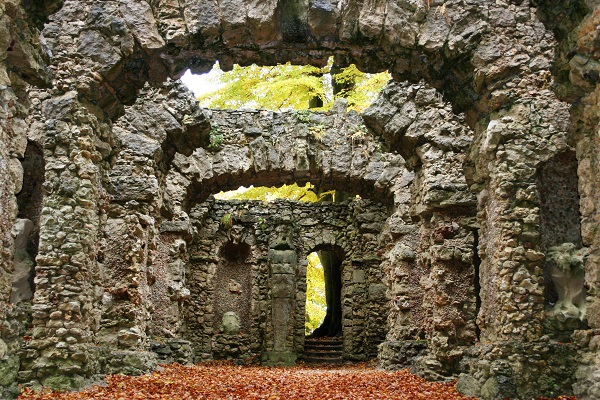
[(325, 350)]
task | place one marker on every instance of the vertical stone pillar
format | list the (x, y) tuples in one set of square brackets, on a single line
[(512, 301), (449, 302), (512, 310), (129, 230), (587, 386), (61, 353), (280, 342), (588, 150), (127, 237), (13, 142)]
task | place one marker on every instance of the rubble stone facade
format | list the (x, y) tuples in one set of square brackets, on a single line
[(474, 251)]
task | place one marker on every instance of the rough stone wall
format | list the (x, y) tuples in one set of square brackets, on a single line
[(64, 316), (143, 278), (431, 270), (335, 151), (506, 64), (331, 150), (22, 63), (229, 271), (128, 43), (584, 87)]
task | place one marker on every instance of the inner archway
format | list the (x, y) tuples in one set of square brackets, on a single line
[(332, 272)]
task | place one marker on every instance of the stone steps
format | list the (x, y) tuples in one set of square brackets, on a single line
[(323, 351)]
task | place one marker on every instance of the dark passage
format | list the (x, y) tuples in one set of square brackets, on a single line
[(332, 267)]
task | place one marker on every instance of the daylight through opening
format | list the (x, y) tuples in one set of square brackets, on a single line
[(286, 86), (316, 304), (331, 266)]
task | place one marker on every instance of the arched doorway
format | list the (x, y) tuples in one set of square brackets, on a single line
[(332, 277), (325, 343)]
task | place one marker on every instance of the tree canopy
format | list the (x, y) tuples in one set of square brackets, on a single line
[(287, 86), (294, 192)]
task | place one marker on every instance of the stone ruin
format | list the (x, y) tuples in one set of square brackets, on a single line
[(472, 252)]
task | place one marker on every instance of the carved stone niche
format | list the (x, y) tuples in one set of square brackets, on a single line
[(566, 267)]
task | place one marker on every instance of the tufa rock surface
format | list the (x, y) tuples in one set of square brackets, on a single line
[(472, 253)]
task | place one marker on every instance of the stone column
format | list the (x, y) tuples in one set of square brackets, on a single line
[(13, 142), (512, 301), (280, 342), (448, 285), (584, 67), (61, 353), (129, 230), (513, 146)]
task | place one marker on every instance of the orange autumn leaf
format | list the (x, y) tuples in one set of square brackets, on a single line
[(225, 381)]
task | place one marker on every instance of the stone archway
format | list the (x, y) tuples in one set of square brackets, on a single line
[(332, 270), (492, 56)]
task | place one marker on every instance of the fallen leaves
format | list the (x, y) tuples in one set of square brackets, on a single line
[(221, 381)]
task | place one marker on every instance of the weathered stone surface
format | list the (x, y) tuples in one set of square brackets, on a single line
[(259, 226), (504, 368), (230, 324), (526, 79), (23, 262)]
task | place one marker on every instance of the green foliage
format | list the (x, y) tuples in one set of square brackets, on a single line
[(273, 88), (316, 305), (291, 192), (287, 86), (318, 131), (360, 89), (262, 223), (215, 138), (303, 116), (227, 221), (358, 134)]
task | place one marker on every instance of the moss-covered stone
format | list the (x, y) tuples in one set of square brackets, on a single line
[(64, 382), (9, 367)]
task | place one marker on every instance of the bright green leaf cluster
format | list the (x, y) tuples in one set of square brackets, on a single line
[(273, 88), (316, 306), (291, 192), (360, 89), (287, 86)]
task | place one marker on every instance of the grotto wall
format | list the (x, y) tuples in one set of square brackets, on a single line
[(23, 62), (152, 178), (229, 271), (118, 191), (583, 82), (259, 147)]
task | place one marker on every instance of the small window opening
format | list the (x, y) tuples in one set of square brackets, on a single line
[(237, 252)]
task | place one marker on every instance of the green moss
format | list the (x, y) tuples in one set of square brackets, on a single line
[(8, 370), (62, 382)]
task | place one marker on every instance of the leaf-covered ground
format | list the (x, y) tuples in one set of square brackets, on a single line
[(177, 382)]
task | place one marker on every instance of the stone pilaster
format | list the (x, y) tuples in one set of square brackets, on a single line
[(61, 353), (280, 341), (511, 273)]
